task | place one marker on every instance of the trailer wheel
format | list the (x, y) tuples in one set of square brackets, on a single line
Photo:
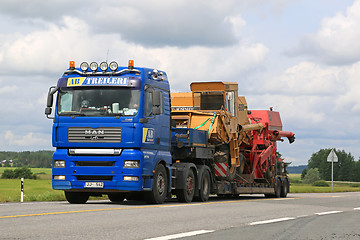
[(284, 189), (160, 186), (278, 188), (187, 194), (116, 197), (204, 190), (76, 197)]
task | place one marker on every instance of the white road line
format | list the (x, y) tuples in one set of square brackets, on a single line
[(181, 235), (358, 208), (302, 216), (326, 213), (272, 221), (183, 205)]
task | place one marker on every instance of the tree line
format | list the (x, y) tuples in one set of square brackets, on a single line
[(346, 169), (37, 159)]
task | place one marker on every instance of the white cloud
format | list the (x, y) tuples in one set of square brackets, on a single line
[(337, 41), (30, 139)]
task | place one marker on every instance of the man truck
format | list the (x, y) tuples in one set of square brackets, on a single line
[(119, 131)]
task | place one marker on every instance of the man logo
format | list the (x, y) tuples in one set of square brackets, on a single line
[(94, 132)]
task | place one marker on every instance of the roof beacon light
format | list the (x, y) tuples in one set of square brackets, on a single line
[(113, 66), (72, 65), (131, 64), (103, 66), (93, 66), (84, 66)]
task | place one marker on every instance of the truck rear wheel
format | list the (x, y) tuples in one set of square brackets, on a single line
[(187, 194), (284, 188), (204, 190), (76, 197), (278, 188), (160, 186)]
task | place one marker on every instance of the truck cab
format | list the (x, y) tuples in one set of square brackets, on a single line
[(111, 131)]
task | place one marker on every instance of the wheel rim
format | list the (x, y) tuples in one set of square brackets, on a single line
[(160, 183)]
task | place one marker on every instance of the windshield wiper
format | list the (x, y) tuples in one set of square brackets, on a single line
[(72, 114)]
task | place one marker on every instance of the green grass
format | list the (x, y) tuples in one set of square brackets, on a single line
[(34, 190)]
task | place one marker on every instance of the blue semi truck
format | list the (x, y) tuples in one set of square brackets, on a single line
[(113, 135)]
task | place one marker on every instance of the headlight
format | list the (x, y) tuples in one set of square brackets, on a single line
[(84, 66), (131, 164), (113, 66), (93, 66), (59, 163), (103, 66), (59, 177)]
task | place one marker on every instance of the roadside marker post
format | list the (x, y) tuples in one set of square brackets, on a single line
[(22, 190), (332, 158)]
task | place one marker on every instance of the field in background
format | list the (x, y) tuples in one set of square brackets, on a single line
[(41, 190)]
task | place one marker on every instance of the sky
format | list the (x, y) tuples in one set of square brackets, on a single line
[(301, 57)]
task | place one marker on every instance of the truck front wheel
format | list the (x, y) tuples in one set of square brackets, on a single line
[(76, 197), (187, 194), (160, 186), (116, 197)]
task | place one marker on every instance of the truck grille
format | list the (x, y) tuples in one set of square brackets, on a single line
[(87, 134), (94, 163)]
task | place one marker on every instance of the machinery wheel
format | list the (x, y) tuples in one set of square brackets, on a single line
[(284, 189), (187, 194), (76, 197), (278, 188), (116, 197), (204, 191), (160, 186)]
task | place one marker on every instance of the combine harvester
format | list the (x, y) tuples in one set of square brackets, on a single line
[(118, 131)]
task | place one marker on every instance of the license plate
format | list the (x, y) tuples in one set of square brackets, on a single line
[(94, 185)]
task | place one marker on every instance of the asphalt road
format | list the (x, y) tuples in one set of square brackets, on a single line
[(300, 216)]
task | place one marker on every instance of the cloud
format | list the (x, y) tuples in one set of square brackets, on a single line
[(336, 42), (30, 139)]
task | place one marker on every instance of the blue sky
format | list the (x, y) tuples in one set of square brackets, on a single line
[(300, 57)]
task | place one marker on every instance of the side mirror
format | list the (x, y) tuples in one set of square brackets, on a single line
[(48, 110), (49, 101)]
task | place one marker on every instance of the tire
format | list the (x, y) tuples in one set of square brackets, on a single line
[(187, 194), (205, 185), (116, 197), (284, 189), (76, 197), (160, 186), (278, 188)]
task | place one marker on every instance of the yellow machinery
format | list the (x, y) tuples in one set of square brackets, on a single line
[(216, 108)]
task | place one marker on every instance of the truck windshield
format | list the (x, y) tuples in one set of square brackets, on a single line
[(98, 101)]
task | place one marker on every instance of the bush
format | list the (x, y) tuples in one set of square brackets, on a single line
[(23, 172), (321, 183), (312, 176)]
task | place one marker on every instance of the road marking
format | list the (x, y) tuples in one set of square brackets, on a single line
[(272, 221), (302, 216), (139, 207), (357, 208), (181, 235), (326, 213)]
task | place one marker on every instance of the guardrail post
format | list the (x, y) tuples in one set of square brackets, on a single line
[(22, 190)]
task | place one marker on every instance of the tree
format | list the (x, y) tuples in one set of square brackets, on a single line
[(312, 176), (344, 169), (303, 173)]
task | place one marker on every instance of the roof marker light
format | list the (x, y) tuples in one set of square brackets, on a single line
[(93, 66), (113, 66), (84, 66), (72, 65), (131, 64), (103, 66)]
